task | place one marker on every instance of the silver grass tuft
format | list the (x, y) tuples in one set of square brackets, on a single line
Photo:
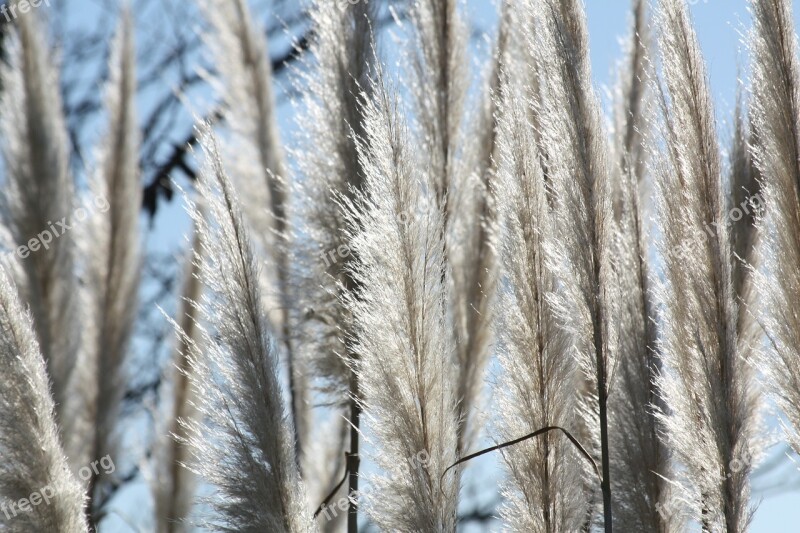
[(640, 460), (33, 460), (254, 156), (459, 174), (439, 87), (711, 419), (574, 147), (337, 82), (406, 369), (472, 243), (630, 110), (544, 492), (242, 439)]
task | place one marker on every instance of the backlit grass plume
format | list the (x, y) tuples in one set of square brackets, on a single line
[(439, 87), (472, 242), (640, 460), (575, 150), (406, 367), (544, 491), (242, 438), (338, 82), (775, 115), (438, 67), (254, 154), (710, 418), (33, 460)]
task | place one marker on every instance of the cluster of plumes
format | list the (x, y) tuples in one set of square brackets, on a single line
[(427, 239), (73, 260), (573, 149)]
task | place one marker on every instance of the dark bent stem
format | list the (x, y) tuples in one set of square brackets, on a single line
[(332, 493), (536, 433)]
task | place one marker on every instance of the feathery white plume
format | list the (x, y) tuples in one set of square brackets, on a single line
[(640, 459), (575, 151), (33, 460), (406, 367), (438, 68), (337, 84), (439, 87), (630, 112), (471, 245), (255, 159), (711, 417), (544, 492), (242, 439), (337, 81)]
